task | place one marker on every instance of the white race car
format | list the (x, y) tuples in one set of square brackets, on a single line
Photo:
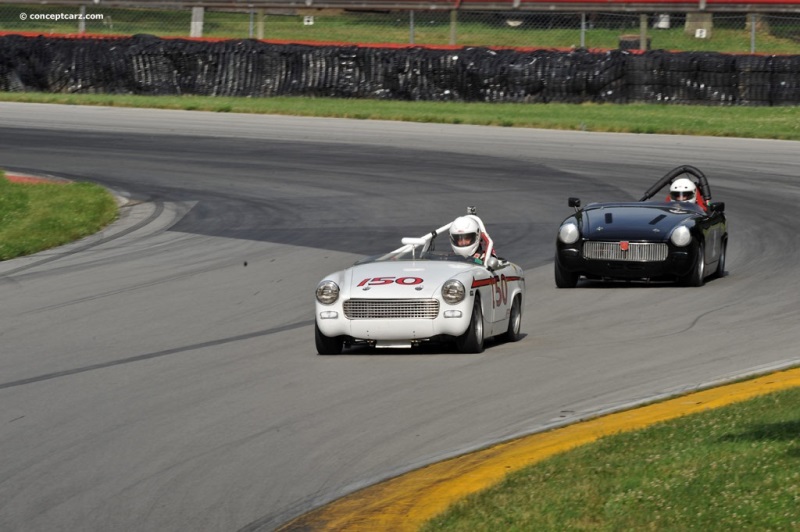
[(419, 293)]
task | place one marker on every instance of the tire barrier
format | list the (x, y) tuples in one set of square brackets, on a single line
[(144, 64)]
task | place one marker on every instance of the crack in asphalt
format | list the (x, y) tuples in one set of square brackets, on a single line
[(157, 354)]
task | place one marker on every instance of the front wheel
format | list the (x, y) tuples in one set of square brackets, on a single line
[(327, 345), (472, 340), (514, 321), (564, 278), (697, 276)]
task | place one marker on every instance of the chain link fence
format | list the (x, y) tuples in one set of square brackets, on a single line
[(769, 33)]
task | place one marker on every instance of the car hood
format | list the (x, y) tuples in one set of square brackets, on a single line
[(402, 279), (633, 221)]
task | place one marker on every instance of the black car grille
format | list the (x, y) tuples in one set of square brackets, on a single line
[(637, 251), (378, 309)]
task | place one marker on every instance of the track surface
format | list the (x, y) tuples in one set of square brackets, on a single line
[(150, 380)]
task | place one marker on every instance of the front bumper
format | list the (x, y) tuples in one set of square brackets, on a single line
[(679, 262), (451, 320)]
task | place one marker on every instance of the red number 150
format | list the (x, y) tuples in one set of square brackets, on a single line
[(377, 281)]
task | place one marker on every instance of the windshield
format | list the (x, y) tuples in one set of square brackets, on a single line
[(439, 250)]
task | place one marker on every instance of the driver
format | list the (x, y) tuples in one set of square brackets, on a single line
[(468, 238), (685, 190)]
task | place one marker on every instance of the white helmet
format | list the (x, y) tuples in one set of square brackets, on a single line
[(683, 190), (465, 236)]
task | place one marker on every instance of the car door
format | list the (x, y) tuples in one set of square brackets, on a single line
[(714, 228), (500, 300), (489, 285)]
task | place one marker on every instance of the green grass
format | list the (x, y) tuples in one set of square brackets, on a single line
[(729, 34), (735, 468), (748, 122), (35, 217)]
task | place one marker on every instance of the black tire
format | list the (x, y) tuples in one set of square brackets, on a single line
[(720, 273), (514, 321), (325, 344), (564, 278), (472, 340), (696, 277)]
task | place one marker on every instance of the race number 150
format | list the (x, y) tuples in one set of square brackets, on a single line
[(377, 281)]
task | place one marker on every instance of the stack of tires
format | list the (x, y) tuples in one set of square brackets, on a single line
[(680, 78), (144, 64), (716, 79), (785, 86), (754, 79), (644, 77)]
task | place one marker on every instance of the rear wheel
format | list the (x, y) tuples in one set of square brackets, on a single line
[(564, 278), (514, 321), (721, 264), (327, 345), (472, 340)]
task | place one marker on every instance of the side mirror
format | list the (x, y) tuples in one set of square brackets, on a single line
[(492, 263), (574, 202), (718, 206)]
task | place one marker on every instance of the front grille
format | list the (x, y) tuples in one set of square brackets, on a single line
[(378, 309), (637, 251)]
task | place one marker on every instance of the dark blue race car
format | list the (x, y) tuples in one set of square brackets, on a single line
[(646, 240)]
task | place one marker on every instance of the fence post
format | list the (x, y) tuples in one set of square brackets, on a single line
[(643, 32), (260, 16), (699, 25), (411, 27), (82, 20), (196, 29), (583, 30), (453, 25)]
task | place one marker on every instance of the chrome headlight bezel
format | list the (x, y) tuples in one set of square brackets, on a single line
[(681, 236), (568, 233), (327, 292), (453, 292)]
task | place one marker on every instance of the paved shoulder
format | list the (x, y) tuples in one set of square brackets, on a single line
[(408, 501)]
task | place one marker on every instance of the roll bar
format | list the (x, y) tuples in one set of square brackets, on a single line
[(425, 240), (702, 182)]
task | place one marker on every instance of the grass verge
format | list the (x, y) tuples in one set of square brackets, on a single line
[(734, 468), (746, 122), (39, 216)]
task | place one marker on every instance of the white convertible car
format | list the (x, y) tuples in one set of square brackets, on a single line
[(418, 293)]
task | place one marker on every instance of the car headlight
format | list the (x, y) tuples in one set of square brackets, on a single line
[(681, 236), (453, 292), (568, 233), (327, 292)]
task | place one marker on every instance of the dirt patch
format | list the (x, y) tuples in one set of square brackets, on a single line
[(24, 178)]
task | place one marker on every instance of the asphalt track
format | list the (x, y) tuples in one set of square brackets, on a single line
[(161, 375)]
